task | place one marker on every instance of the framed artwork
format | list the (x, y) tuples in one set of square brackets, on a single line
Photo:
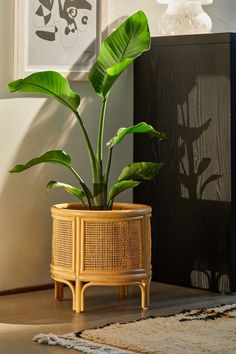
[(60, 35)]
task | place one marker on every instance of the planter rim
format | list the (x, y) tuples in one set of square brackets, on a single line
[(120, 210)]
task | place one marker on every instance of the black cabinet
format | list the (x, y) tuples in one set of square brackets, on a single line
[(186, 86)]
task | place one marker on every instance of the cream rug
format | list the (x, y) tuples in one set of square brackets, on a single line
[(206, 331)]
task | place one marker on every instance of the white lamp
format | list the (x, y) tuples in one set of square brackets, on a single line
[(185, 17), (204, 2)]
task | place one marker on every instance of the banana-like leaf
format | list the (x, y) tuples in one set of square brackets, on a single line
[(140, 171), (118, 51), (68, 188), (55, 157), (138, 128), (49, 83), (121, 186)]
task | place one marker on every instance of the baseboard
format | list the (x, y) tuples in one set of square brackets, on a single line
[(27, 289)]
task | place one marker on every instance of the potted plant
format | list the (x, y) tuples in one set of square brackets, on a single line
[(97, 241)]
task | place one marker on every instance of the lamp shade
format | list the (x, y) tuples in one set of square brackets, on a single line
[(203, 2), (184, 17)]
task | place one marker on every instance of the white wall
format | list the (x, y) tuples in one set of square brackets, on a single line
[(30, 126)]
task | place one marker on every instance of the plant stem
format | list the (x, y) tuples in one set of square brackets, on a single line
[(86, 190), (99, 188), (110, 204), (100, 135), (89, 148), (106, 176)]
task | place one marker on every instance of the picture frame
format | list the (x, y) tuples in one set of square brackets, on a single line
[(59, 35)]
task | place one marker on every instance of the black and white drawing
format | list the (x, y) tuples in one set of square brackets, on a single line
[(60, 35), (61, 20)]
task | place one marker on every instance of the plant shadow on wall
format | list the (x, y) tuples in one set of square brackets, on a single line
[(191, 196), (193, 186), (200, 243), (190, 175), (196, 250)]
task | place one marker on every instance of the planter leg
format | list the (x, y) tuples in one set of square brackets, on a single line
[(82, 298), (77, 300), (123, 290), (58, 292), (145, 295)]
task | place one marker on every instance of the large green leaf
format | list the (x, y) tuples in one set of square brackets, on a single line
[(138, 128), (68, 188), (121, 186), (140, 171), (118, 50), (54, 157), (49, 83)]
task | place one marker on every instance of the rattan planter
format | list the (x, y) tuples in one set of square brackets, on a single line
[(101, 248)]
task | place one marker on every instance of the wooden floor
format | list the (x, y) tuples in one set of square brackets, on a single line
[(25, 315)]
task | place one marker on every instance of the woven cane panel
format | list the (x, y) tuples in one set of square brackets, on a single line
[(62, 246), (113, 245)]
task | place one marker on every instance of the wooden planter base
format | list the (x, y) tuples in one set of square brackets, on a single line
[(101, 248)]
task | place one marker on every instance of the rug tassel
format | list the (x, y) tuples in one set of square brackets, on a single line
[(70, 341)]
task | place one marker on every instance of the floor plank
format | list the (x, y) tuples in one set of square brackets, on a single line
[(25, 315)]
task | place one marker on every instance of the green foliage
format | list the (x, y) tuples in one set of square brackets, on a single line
[(55, 157), (140, 171), (138, 128), (117, 52), (78, 193), (49, 83), (120, 187)]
